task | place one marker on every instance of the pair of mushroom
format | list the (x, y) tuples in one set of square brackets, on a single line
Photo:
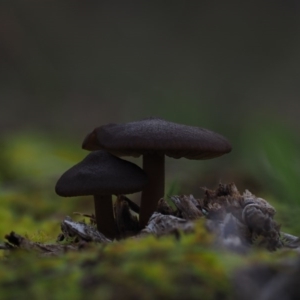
[(153, 138)]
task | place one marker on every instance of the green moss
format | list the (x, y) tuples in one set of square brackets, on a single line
[(145, 268)]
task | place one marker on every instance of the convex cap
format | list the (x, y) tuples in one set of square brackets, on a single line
[(101, 173), (158, 136)]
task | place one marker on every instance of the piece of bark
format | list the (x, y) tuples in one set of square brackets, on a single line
[(164, 208), (82, 231), (16, 241), (128, 224), (6, 246), (160, 224), (187, 208), (290, 241)]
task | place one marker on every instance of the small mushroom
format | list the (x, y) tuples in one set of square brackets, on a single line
[(154, 138), (102, 175)]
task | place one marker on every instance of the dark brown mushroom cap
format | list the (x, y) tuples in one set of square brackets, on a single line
[(101, 173), (155, 135)]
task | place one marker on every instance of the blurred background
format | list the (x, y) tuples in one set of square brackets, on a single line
[(67, 67)]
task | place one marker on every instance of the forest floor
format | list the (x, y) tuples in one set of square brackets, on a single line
[(224, 246)]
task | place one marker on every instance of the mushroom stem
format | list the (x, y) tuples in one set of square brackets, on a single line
[(154, 167), (105, 216)]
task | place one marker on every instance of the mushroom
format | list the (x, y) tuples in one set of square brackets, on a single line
[(101, 174), (154, 138)]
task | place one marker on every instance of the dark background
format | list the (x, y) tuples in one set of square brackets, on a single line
[(68, 66)]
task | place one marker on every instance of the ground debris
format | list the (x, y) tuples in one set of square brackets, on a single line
[(16, 241), (290, 241), (164, 208), (187, 207), (81, 231), (160, 224), (238, 221), (251, 218)]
